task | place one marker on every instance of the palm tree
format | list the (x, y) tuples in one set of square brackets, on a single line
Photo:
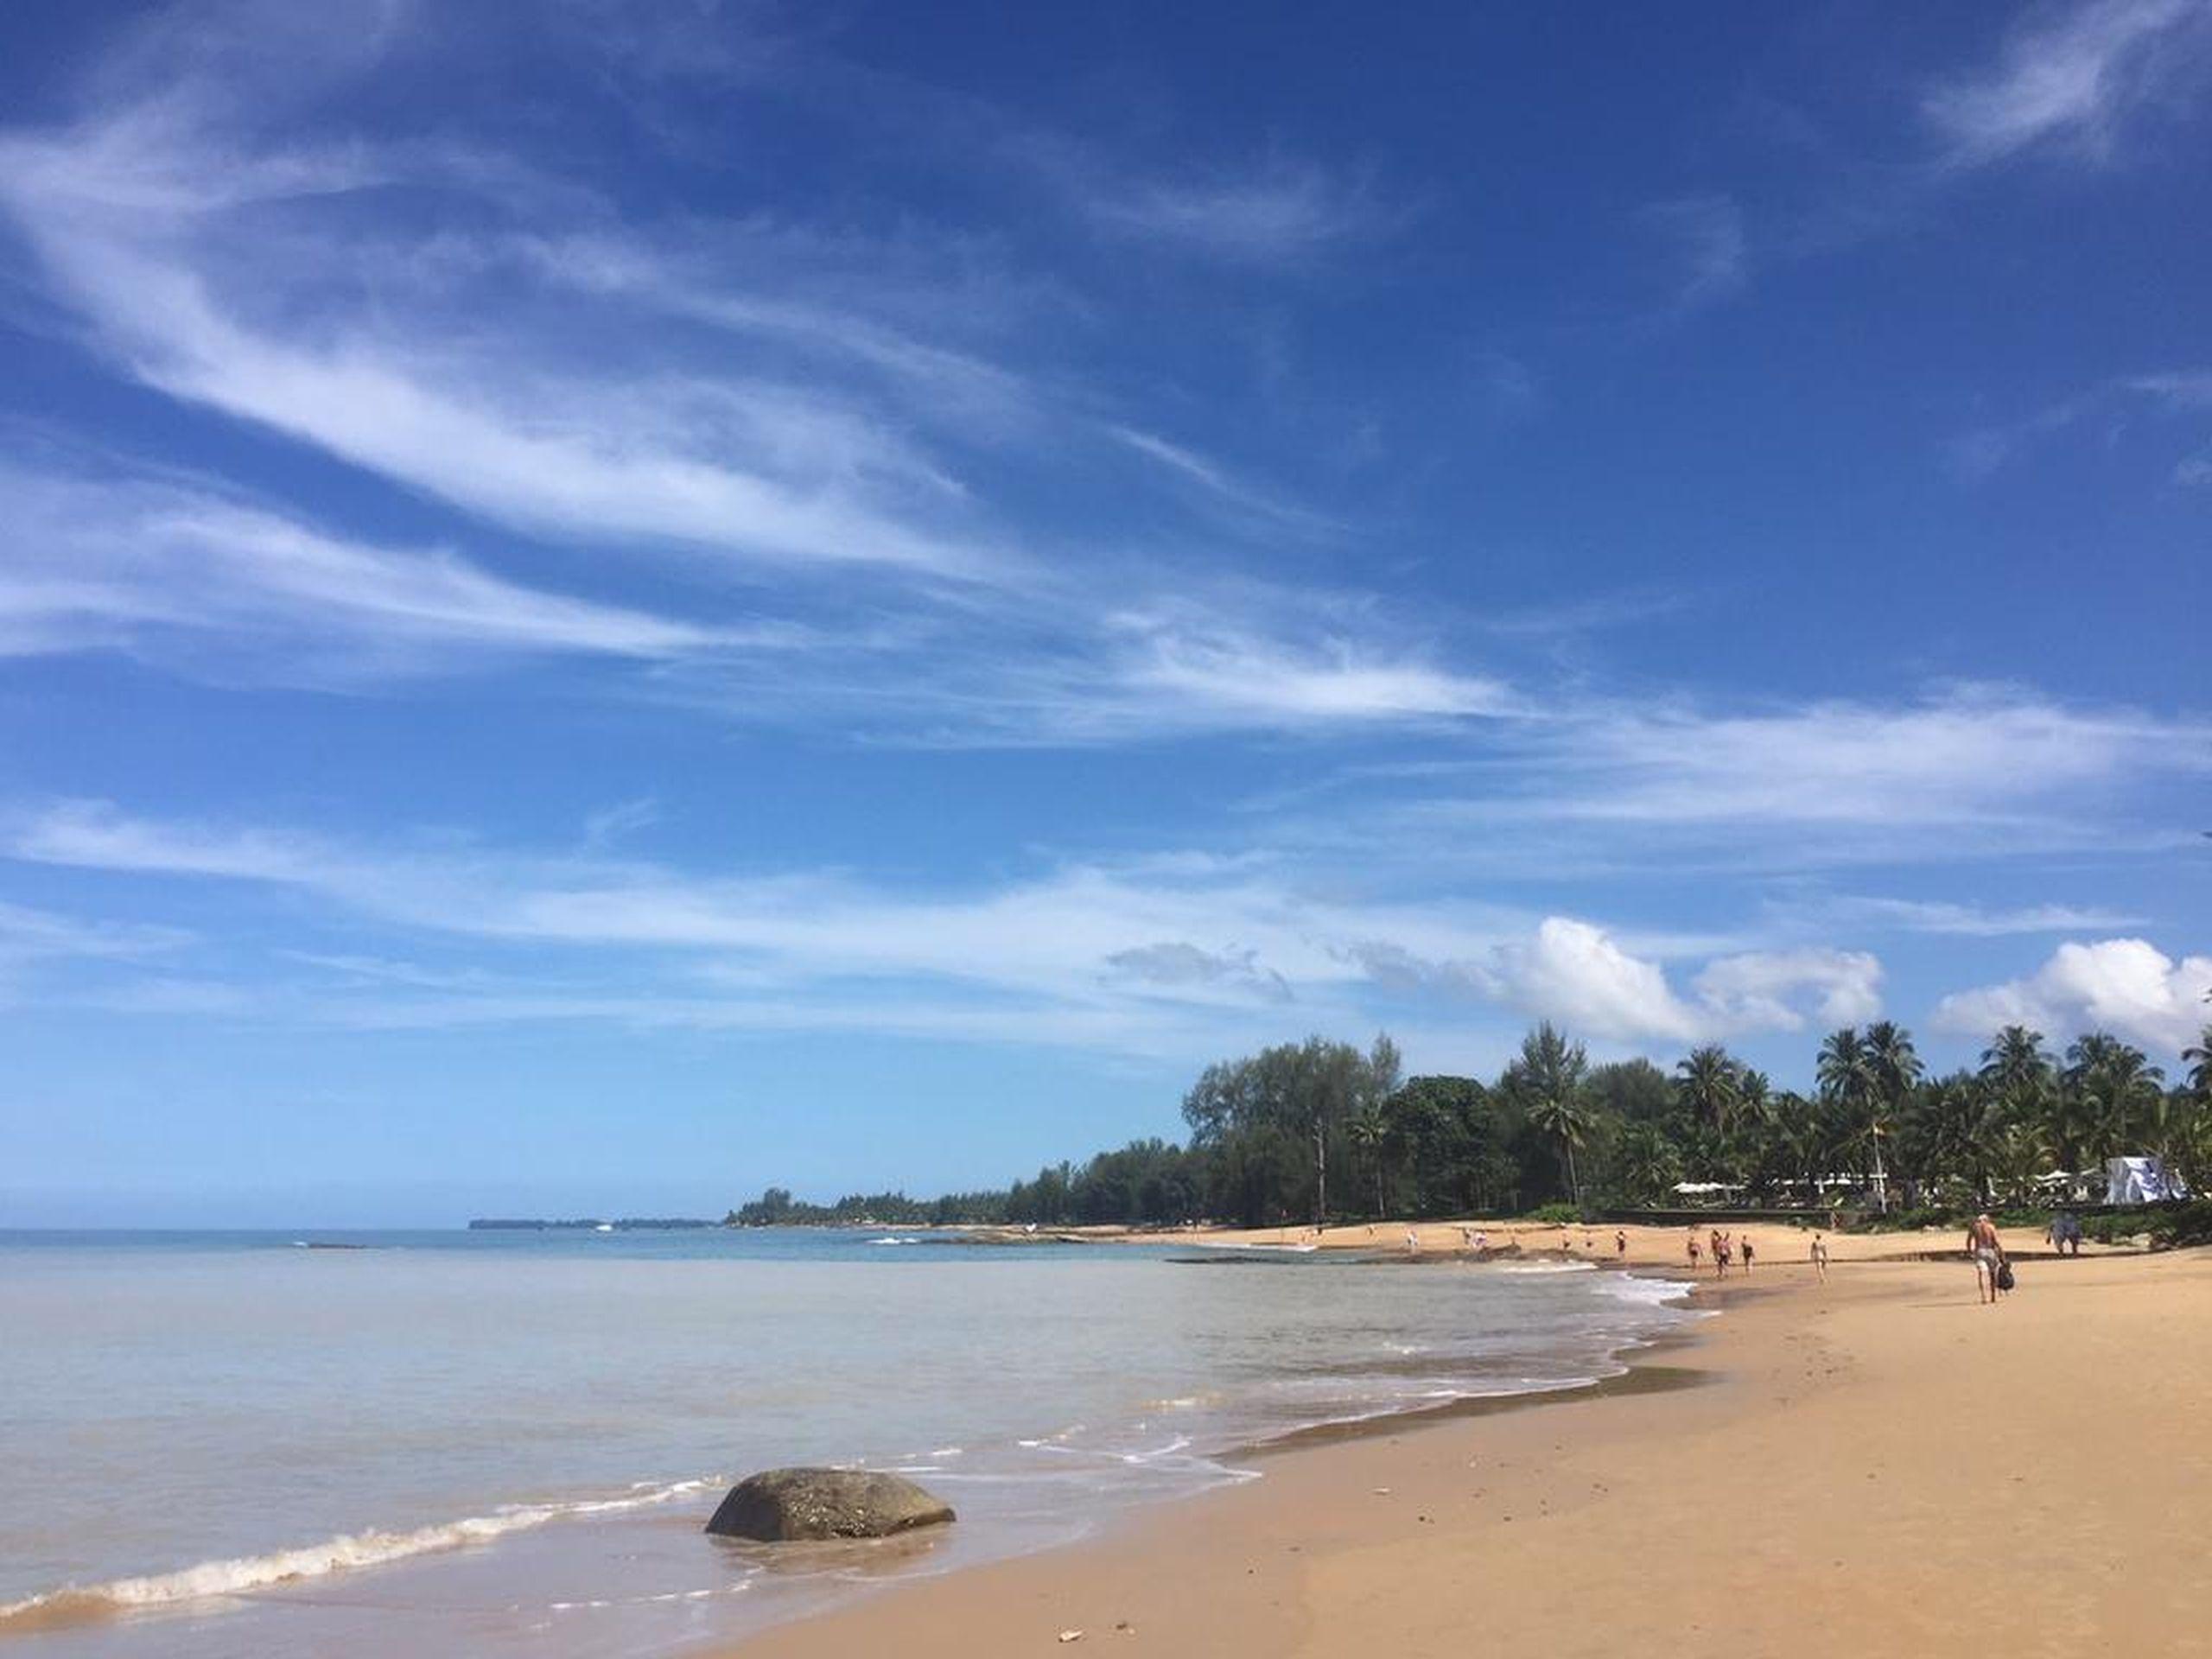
[(2018, 1153), (2019, 1076), (1944, 1130), (1645, 1162), (1846, 1072), (1706, 1083), (1756, 1152), (1548, 1076), (2199, 1054), (1895, 1068), (1369, 1130), (2113, 1088), (1563, 1119), (1801, 1138)]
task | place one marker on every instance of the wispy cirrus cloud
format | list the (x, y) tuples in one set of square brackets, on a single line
[(1280, 210), (2115, 408), (1596, 788), (141, 216), (1945, 917), (2070, 78), (29, 934), (1963, 754), (1170, 946), (1218, 485), (1706, 247), (160, 568)]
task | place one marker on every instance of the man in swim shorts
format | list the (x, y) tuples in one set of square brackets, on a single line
[(1988, 1252)]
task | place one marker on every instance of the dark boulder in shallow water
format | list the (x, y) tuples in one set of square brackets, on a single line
[(788, 1503)]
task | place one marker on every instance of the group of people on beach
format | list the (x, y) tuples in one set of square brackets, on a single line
[(1725, 1248)]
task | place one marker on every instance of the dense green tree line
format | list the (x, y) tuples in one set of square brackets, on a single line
[(1306, 1131)]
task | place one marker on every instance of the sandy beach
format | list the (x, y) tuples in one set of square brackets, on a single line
[(1875, 1463)]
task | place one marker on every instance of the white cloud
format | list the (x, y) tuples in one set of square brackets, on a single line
[(2071, 78), (1280, 210), (30, 935), (2177, 389), (1333, 680), (139, 218), (1574, 972), (1216, 480), (1968, 921), (1581, 975), (612, 824), (1777, 991), (2127, 986), (1706, 244), (1968, 755), (1191, 942), (130, 563)]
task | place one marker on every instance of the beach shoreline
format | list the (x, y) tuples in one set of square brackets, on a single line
[(1873, 1458)]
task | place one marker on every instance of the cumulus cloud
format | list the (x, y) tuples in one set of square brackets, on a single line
[(2127, 986), (1776, 990), (1580, 974), (1574, 972)]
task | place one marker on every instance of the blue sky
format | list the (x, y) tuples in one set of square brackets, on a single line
[(603, 603)]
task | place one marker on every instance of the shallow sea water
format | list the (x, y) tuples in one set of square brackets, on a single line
[(508, 1443)]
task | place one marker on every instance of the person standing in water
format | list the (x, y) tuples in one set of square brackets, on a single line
[(1620, 1242), (1747, 1242)]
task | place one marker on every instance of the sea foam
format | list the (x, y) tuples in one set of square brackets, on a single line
[(246, 1574)]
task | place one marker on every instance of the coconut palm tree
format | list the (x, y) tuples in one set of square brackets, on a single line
[(1847, 1077), (1706, 1086), (1548, 1078), (2018, 1153), (2199, 1055), (2113, 1088), (1368, 1131), (1895, 1068), (1564, 1119), (1645, 1162), (2018, 1078)]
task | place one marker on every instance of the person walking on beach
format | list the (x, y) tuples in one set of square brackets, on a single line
[(1747, 1253), (1820, 1257), (1988, 1252), (1719, 1242), (1693, 1250), (1620, 1242)]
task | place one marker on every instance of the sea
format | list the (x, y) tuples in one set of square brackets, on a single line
[(508, 1443)]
